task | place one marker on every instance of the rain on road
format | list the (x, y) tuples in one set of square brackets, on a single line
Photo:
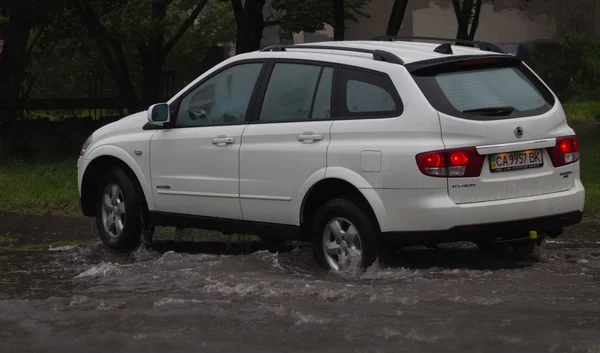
[(207, 297)]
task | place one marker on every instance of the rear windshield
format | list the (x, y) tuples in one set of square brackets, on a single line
[(485, 92)]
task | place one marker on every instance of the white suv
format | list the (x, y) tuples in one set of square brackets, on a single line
[(356, 146)]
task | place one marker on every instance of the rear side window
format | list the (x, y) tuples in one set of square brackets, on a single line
[(297, 92), (485, 92), (365, 94)]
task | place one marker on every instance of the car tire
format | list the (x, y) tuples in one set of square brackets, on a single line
[(347, 232), (120, 213)]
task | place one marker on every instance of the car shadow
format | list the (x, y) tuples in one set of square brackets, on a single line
[(463, 256)]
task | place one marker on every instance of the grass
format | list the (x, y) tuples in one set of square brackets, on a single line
[(6, 240), (46, 246), (583, 112), (39, 188), (589, 145)]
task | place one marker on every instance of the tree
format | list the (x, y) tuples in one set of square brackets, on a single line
[(338, 19), (467, 16), (152, 47), (15, 33), (22, 24), (250, 24), (396, 17), (293, 15), (140, 34)]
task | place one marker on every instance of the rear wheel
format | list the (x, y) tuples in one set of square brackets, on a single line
[(120, 213), (344, 237)]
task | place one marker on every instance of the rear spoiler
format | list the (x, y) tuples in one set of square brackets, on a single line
[(453, 61)]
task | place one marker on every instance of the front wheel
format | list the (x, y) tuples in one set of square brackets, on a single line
[(343, 236), (119, 216)]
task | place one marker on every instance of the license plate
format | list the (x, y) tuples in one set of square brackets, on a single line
[(503, 162)]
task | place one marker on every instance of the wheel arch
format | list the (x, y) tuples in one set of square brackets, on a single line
[(332, 187), (102, 162)]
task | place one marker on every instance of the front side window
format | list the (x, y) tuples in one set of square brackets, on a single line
[(221, 100), (297, 92)]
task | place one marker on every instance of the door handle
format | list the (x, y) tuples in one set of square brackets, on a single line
[(309, 137), (222, 141)]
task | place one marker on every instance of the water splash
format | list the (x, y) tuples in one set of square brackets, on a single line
[(104, 269)]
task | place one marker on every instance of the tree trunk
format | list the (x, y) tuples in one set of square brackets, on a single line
[(338, 19), (475, 22), (396, 18), (250, 25), (152, 55), (13, 61), (152, 69), (463, 18)]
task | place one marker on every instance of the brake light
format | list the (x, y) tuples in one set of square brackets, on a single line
[(476, 62), (456, 163), (566, 151)]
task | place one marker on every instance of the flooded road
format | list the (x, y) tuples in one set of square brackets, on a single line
[(86, 298)]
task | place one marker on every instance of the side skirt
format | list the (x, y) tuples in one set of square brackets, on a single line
[(227, 226)]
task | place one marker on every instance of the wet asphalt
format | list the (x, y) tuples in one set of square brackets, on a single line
[(208, 296)]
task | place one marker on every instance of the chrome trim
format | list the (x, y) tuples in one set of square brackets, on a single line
[(516, 146), (202, 194), (266, 198)]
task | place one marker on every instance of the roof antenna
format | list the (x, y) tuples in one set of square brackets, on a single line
[(445, 48)]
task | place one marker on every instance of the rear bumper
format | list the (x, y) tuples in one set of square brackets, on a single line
[(502, 231), (430, 213)]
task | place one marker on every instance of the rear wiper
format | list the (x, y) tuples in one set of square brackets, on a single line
[(492, 111)]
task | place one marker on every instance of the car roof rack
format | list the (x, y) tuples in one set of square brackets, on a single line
[(378, 55), (445, 49)]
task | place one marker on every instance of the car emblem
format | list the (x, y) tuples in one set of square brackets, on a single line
[(519, 132)]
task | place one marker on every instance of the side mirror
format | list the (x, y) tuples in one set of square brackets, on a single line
[(158, 114)]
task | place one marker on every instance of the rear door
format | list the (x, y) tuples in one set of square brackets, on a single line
[(499, 107), (286, 145)]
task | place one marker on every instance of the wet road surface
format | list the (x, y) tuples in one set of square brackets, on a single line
[(86, 298)]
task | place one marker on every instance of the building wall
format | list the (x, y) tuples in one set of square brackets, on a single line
[(501, 21)]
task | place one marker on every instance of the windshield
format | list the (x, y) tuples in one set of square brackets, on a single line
[(487, 92)]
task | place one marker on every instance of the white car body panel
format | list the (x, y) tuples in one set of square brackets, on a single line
[(433, 210), (202, 178), (266, 174), (274, 165), (121, 140)]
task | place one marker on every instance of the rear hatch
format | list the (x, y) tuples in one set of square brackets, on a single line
[(505, 134)]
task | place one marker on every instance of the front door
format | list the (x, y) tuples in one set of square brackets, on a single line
[(287, 145), (195, 164)]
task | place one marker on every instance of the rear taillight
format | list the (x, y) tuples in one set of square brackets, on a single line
[(457, 163), (565, 152)]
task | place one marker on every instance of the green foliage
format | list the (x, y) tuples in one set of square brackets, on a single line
[(215, 26), (7, 240), (583, 112), (63, 54), (312, 15), (590, 168), (39, 188), (572, 69)]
